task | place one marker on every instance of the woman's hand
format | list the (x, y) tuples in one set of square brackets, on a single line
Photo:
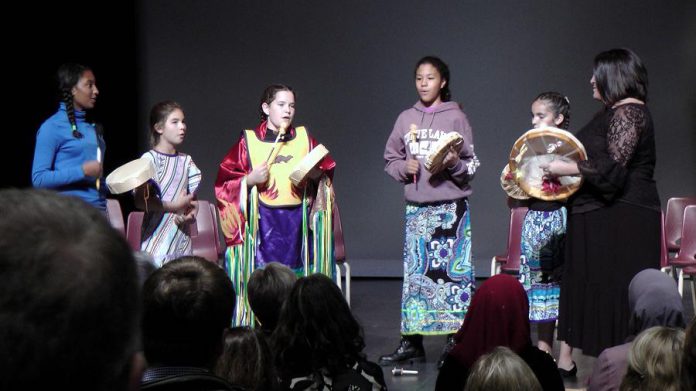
[(92, 168), (258, 176), (556, 168), (412, 166)]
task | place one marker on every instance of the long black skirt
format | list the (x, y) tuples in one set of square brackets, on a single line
[(605, 248)]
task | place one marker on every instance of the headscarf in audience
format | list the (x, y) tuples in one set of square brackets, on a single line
[(498, 316), (654, 300)]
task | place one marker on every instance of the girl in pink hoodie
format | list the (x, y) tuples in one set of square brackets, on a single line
[(438, 275)]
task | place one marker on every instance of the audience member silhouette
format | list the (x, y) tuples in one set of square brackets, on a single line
[(688, 366), (653, 300), (498, 316), (247, 360), (267, 289), (68, 297), (187, 306), (654, 361), (501, 370), (318, 342)]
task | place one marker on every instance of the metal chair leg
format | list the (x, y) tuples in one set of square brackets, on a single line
[(346, 265), (338, 277), (495, 267)]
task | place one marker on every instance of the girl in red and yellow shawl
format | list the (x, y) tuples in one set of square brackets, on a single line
[(265, 217)]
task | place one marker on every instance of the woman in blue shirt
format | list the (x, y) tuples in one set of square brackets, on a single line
[(69, 149)]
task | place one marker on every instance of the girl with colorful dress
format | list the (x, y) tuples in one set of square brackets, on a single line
[(265, 216), (438, 273), (170, 205), (543, 237)]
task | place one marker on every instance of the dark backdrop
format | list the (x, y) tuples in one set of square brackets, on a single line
[(351, 64), (44, 35)]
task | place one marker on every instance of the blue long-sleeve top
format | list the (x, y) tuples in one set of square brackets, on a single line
[(58, 157)]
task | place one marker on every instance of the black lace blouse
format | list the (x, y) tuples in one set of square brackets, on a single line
[(620, 145)]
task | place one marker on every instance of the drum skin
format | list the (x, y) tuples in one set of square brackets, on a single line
[(453, 141), (307, 167), (130, 175), (538, 147)]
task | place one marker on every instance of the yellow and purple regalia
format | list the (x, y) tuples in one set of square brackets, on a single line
[(276, 222)]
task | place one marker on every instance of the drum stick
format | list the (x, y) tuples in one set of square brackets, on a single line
[(276, 147), (413, 138)]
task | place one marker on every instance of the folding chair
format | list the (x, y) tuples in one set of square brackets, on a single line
[(203, 234), (686, 257), (510, 261), (674, 219), (115, 215), (204, 241), (134, 229), (216, 224)]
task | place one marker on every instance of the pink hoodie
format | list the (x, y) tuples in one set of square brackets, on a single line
[(431, 123)]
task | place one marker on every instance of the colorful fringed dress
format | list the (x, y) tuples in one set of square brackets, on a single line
[(279, 222)]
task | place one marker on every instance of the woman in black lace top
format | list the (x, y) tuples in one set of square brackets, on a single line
[(614, 219)]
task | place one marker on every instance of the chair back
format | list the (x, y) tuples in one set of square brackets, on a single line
[(512, 264), (204, 241), (687, 249), (674, 220), (134, 230), (115, 215), (203, 238), (216, 225)]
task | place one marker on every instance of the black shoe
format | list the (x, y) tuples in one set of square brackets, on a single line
[(407, 350), (445, 351), (570, 372)]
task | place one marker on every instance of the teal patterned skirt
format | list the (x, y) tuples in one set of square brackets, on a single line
[(541, 229), (438, 274)]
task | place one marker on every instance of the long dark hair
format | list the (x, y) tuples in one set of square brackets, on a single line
[(67, 76), (620, 74), (445, 94), (316, 330), (246, 360)]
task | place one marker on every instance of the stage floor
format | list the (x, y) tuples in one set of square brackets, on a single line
[(375, 303)]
